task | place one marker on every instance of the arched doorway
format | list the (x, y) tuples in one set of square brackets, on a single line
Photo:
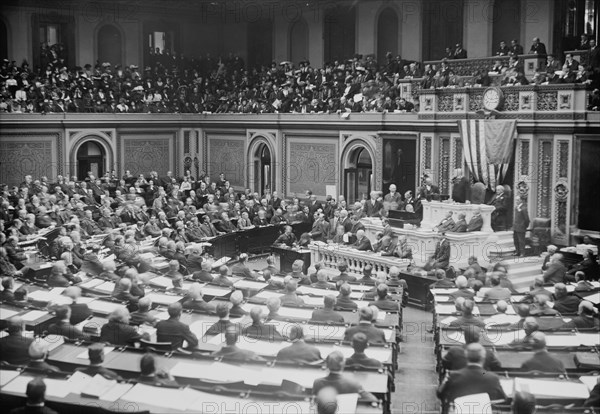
[(91, 157), (506, 22), (358, 175), (387, 34), (262, 169), (299, 41), (109, 45)]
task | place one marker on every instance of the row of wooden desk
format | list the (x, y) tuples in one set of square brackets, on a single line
[(571, 388)]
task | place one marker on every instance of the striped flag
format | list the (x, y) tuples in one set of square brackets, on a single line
[(488, 148)]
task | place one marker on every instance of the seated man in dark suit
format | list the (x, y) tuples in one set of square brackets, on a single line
[(272, 284), (290, 297), (14, 347), (223, 323), (463, 290), (383, 301), (149, 375), (299, 351), (467, 318), (565, 303), (344, 302), (174, 331), (327, 314), (231, 351), (7, 290), (241, 268), (260, 330), (142, 315), (455, 358), (359, 359), (298, 274), (442, 282), (96, 356), (222, 279), (38, 352), (476, 221), (365, 325), (472, 379), (441, 256), (79, 311), (343, 276), (194, 260), (461, 224), (118, 331), (36, 397), (288, 238), (586, 318), (362, 242), (556, 271), (63, 325), (195, 300), (336, 379), (322, 282), (530, 326), (541, 306), (204, 274), (542, 360)]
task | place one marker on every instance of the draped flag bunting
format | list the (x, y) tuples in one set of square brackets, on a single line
[(487, 148)]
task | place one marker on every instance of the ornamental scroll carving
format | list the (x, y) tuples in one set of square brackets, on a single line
[(18, 159), (544, 178), (227, 156), (547, 101), (144, 155), (311, 166)]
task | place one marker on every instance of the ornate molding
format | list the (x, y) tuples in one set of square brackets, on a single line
[(544, 181)]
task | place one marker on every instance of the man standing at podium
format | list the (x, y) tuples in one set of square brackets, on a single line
[(428, 190), (393, 199), (499, 201)]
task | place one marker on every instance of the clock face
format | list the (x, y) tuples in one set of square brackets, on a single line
[(491, 98)]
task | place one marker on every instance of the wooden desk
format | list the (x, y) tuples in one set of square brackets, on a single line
[(286, 256)]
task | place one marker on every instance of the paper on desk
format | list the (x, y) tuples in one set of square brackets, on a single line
[(295, 313), (266, 294), (508, 385), (162, 315), (347, 403), (443, 309), (303, 377), (558, 340), (588, 339), (447, 321), (57, 299), (7, 376), (7, 313), (33, 315), (552, 389), (163, 299), (452, 335), (116, 392), (312, 301), (78, 381), (263, 348), (172, 398), (91, 283), (594, 298), (54, 387), (502, 337), (215, 291), (590, 381), (474, 403), (106, 287), (85, 299), (249, 284), (104, 307), (161, 281), (106, 350)]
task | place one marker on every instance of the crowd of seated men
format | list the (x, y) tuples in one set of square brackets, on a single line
[(174, 83)]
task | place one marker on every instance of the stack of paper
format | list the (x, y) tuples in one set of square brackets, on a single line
[(475, 403), (556, 389)]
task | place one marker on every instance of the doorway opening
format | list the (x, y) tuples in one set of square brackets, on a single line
[(358, 176), (91, 158), (262, 169)]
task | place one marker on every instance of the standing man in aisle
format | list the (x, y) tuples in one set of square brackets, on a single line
[(520, 224)]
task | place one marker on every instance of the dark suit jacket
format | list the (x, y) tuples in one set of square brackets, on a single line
[(374, 334), (555, 273), (79, 312), (299, 351), (475, 224), (363, 244), (427, 194), (471, 380), (455, 359), (460, 226), (233, 352), (326, 315), (199, 305), (341, 383), (42, 366), (32, 410), (265, 332), (567, 304), (543, 361), (67, 330), (220, 327), (14, 349), (386, 304), (521, 219), (373, 210), (345, 303), (119, 334), (174, 331), (442, 253), (360, 360)]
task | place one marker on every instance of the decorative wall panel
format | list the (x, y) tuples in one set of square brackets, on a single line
[(227, 155), (561, 192), (144, 155), (311, 166), (23, 154), (444, 165), (544, 181)]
